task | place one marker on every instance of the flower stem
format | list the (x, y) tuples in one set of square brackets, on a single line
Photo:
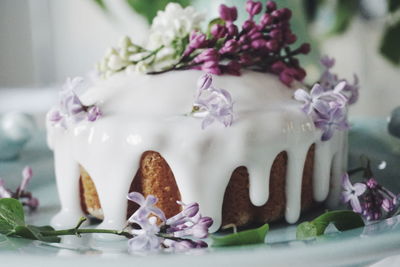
[(78, 232), (152, 53)]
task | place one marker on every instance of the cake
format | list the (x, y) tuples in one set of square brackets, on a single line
[(263, 158)]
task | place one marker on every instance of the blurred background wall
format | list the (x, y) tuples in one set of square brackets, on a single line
[(44, 41)]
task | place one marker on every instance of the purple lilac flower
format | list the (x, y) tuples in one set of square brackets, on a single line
[(26, 177), (21, 193), (212, 104), (253, 8), (369, 198), (203, 83), (146, 208), (334, 119), (377, 200), (93, 113), (228, 14), (70, 107), (196, 40), (258, 45), (145, 238), (218, 31), (170, 233), (311, 100), (189, 222), (352, 192), (327, 108), (4, 192), (230, 46), (327, 61), (329, 81)]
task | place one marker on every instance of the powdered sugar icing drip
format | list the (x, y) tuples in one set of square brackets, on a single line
[(144, 112)]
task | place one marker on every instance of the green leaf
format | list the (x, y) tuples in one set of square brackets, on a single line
[(149, 8), (252, 236), (345, 12), (35, 233), (394, 5), (306, 230), (391, 42), (342, 219), (11, 215)]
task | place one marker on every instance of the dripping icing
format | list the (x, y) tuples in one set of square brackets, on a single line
[(143, 112)]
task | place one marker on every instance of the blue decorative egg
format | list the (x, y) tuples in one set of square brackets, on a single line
[(15, 130)]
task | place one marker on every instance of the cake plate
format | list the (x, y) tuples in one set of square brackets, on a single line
[(358, 247)]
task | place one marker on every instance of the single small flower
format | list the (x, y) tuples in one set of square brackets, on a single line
[(55, 116), (230, 46), (203, 83), (26, 177), (146, 207), (327, 61), (334, 119), (21, 193), (352, 90), (253, 7), (189, 211), (228, 14), (389, 204), (352, 192), (93, 113), (189, 222), (213, 104), (145, 238), (208, 55), (312, 100), (219, 31), (70, 108)]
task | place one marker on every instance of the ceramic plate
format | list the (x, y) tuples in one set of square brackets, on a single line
[(357, 247)]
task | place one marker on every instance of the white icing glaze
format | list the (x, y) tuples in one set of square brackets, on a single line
[(143, 112)]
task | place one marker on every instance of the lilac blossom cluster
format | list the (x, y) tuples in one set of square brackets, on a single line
[(21, 193), (179, 232), (212, 104), (71, 108), (262, 46), (329, 81), (328, 100), (376, 203)]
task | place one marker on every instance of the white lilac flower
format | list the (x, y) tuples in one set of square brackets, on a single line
[(175, 22), (352, 192), (212, 104), (117, 59)]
